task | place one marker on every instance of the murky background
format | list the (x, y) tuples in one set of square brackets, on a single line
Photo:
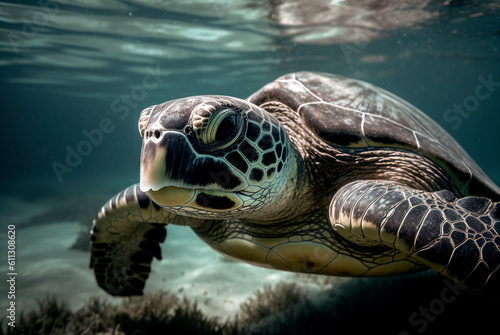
[(67, 67)]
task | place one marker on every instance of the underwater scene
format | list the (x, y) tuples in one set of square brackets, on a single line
[(75, 77)]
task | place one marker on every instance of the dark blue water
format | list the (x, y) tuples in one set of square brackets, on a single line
[(76, 74)]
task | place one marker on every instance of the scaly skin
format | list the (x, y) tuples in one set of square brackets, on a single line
[(460, 238)]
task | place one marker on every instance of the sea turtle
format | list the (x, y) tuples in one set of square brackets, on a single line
[(313, 173)]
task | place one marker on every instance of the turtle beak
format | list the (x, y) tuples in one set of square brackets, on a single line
[(152, 160), (169, 160)]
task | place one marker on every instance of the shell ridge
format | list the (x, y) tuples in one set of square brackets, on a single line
[(416, 140), (395, 100), (308, 90), (363, 129)]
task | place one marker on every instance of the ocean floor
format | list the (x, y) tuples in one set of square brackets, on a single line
[(46, 266)]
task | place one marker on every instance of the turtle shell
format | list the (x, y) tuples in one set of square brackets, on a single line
[(349, 113)]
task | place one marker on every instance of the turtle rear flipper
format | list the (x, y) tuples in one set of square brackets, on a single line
[(125, 237), (460, 238)]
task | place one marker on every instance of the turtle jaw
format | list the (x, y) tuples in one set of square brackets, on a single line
[(179, 198), (174, 175), (170, 196)]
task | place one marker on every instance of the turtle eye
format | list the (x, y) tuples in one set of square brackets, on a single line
[(219, 130), (226, 128)]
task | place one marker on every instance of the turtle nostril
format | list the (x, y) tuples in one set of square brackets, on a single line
[(154, 134)]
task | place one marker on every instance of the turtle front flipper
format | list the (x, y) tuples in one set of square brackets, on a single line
[(125, 237), (460, 238)]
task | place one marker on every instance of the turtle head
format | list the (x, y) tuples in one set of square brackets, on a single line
[(212, 156)]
